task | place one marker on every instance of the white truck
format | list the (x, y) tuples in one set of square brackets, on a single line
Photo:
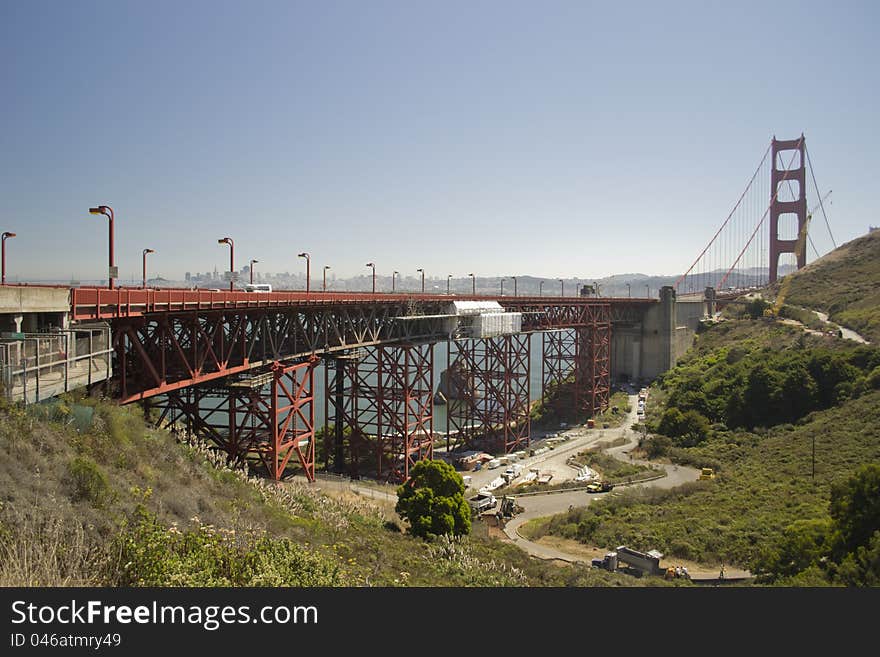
[(512, 472), (482, 502)]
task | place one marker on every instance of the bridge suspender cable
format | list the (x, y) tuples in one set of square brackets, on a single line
[(764, 216), (714, 237), (821, 205)]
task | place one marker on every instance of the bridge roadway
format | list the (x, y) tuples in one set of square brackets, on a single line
[(168, 339)]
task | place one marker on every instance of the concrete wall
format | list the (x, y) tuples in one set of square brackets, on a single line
[(30, 309), (647, 349)]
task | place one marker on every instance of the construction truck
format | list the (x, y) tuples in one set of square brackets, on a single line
[(509, 507)]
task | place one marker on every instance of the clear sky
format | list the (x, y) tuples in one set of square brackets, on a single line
[(545, 138)]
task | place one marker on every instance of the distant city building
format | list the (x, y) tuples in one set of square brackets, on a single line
[(871, 229), (187, 277)]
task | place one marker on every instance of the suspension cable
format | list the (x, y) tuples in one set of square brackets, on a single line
[(821, 205), (714, 237), (761, 223)]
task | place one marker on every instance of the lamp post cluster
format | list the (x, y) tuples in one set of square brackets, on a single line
[(113, 273)]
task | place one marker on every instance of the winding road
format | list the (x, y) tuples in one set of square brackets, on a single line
[(537, 506)]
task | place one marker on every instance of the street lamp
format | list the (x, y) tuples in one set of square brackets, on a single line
[(514, 285), (648, 290), (393, 275), (6, 236), (370, 264), (448, 278), (146, 251), (228, 240), (562, 290), (326, 267), (308, 269), (598, 293), (107, 211), (628, 290), (422, 271), (253, 262), (473, 284), (541, 289), (502, 287)]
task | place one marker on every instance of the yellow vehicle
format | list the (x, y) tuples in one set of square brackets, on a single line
[(707, 473)]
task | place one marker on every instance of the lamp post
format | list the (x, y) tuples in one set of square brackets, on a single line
[(253, 262), (228, 240), (326, 267), (562, 288), (370, 264), (448, 278), (514, 285), (541, 288), (473, 284), (308, 269), (422, 271), (648, 290), (597, 289), (628, 290), (144, 282), (6, 236), (107, 211), (502, 287), (393, 275)]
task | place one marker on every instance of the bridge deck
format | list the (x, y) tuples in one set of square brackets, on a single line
[(101, 303)]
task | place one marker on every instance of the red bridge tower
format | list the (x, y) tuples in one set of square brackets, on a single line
[(797, 206)]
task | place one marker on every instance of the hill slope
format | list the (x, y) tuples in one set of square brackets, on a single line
[(94, 496), (845, 284)]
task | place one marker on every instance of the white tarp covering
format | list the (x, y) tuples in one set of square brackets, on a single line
[(474, 307), (484, 319)]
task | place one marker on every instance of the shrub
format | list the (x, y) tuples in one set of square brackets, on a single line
[(88, 481)]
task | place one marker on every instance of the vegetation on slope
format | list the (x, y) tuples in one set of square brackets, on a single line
[(806, 389), (93, 496), (845, 284)]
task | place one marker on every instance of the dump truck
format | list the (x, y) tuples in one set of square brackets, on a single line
[(482, 502)]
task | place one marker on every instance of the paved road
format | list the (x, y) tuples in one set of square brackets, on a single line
[(845, 332), (545, 505)]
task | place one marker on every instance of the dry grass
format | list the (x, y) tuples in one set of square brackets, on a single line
[(38, 550)]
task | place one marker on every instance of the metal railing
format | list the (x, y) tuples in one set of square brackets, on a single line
[(37, 366)]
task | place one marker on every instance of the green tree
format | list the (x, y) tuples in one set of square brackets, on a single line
[(855, 509), (432, 500), (755, 308)]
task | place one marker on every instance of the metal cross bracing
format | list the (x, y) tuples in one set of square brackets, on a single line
[(161, 352), (491, 405), (265, 419), (383, 396), (559, 361), (576, 370), (590, 343)]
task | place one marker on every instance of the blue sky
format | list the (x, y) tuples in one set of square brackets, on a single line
[(546, 138)]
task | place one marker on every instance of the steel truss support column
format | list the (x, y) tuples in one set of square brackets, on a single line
[(382, 398), (558, 363), (264, 420), (593, 371), (490, 408)]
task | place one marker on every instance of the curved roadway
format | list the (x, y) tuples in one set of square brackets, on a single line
[(538, 506)]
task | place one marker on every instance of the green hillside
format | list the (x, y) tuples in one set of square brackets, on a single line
[(91, 495), (799, 390), (845, 284)]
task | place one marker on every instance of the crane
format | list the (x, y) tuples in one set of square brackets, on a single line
[(799, 247)]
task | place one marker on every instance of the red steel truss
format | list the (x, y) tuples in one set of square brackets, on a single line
[(383, 395), (488, 407), (162, 352), (265, 419), (558, 363)]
